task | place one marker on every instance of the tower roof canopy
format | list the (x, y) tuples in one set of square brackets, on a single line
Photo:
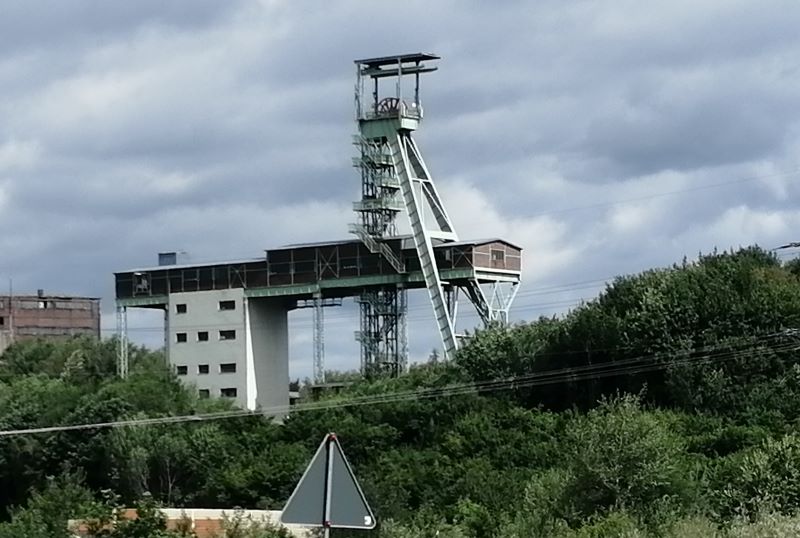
[(403, 58)]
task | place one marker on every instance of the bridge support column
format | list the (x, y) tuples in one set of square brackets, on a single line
[(122, 341)]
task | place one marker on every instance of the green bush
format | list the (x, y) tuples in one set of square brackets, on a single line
[(621, 457), (240, 525), (764, 479)]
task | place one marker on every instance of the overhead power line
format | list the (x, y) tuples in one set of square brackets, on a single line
[(344, 319), (422, 310), (421, 313), (667, 193), (746, 179), (636, 365)]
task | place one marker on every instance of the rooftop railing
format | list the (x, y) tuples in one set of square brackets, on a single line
[(392, 107)]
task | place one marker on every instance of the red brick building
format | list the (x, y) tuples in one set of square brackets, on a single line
[(47, 316)]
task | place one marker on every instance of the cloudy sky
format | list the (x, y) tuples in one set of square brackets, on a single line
[(604, 137)]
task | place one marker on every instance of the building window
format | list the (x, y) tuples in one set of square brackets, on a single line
[(202, 368), (228, 393), (227, 368), (180, 308), (498, 255), (182, 370), (2, 321), (202, 336), (227, 305), (229, 334), (180, 337), (203, 393)]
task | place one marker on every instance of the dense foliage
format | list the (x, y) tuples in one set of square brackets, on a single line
[(701, 439)]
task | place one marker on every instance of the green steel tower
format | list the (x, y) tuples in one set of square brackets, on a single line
[(394, 179)]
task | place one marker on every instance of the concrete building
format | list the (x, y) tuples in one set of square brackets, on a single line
[(47, 316), (226, 323), (213, 338)]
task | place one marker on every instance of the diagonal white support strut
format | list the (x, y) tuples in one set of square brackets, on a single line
[(495, 307), (431, 194), (399, 145)]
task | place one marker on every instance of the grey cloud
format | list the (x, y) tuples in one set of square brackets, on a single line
[(718, 121), (223, 128), (51, 24)]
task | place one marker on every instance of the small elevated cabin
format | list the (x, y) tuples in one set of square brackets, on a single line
[(495, 254)]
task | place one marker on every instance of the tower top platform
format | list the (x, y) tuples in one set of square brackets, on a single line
[(396, 66), (416, 57), (385, 60), (391, 106)]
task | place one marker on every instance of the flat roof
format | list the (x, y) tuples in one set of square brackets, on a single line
[(314, 244), (337, 242), (476, 242), (18, 296), (188, 265), (406, 239), (388, 60)]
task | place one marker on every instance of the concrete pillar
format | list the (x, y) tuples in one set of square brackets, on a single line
[(268, 351)]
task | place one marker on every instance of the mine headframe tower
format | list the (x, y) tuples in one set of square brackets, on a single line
[(380, 266), (395, 179)]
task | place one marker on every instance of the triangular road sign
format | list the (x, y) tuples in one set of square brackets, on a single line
[(328, 494)]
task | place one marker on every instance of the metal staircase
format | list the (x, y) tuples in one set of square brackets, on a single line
[(376, 246)]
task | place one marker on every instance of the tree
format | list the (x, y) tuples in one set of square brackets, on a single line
[(621, 457), (47, 511), (762, 480)]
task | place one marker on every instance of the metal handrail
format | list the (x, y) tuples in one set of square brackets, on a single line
[(405, 110)]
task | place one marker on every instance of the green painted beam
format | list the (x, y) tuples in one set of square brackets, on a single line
[(154, 300), (355, 282), (496, 276), (282, 291)]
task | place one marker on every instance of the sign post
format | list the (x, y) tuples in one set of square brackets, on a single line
[(328, 494)]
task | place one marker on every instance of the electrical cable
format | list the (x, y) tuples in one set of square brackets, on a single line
[(630, 366), (667, 193)]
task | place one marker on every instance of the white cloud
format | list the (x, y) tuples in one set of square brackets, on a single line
[(742, 225), (631, 218), (547, 247), (16, 154)]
